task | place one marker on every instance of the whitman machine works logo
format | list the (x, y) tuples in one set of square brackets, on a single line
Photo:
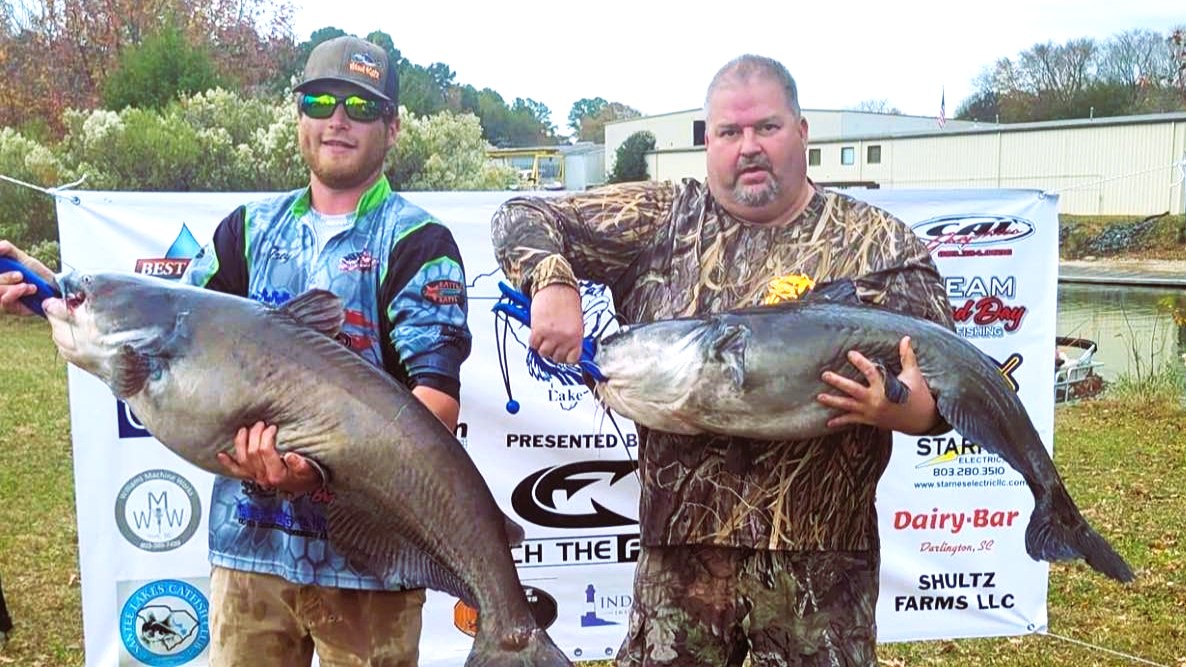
[(158, 510), (177, 258)]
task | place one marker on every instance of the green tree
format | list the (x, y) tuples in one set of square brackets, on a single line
[(533, 122), (162, 68), (384, 41), (585, 107), (419, 91), (630, 162)]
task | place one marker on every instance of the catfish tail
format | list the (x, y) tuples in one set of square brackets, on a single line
[(1058, 532), (538, 651)]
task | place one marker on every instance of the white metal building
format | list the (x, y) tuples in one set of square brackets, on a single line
[(1123, 165)]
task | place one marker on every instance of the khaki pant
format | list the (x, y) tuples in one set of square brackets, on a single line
[(706, 605), (259, 620)]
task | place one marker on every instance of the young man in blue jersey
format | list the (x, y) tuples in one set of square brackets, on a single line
[(279, 591)]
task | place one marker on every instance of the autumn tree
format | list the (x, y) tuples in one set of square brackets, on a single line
[(1132, 72), (589, 116), (60, 53)]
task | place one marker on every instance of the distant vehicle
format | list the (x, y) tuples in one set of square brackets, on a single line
[(1074, 369), (539, 168)]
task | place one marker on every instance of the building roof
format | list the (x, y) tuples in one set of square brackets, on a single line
[(986, 128)]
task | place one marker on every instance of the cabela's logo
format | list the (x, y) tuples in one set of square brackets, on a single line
[(177, 258)]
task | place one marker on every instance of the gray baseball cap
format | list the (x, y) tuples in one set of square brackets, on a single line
[(355, 61)]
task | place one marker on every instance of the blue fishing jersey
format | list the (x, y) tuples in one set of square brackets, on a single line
[(401, 280)]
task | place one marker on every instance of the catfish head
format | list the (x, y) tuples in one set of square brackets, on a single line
[(665, 369), (102, 316)]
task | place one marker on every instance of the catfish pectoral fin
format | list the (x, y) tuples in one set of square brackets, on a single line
[(373, 545), (895, 390)]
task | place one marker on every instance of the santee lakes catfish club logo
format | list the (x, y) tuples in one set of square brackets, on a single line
[(184, 248), (972, 235), (164, 623)]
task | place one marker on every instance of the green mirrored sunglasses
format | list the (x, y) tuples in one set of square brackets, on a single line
[(358, 108)]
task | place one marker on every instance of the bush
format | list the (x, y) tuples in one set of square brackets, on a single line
[(140, 149), (444, 152), (27, 216), (630, 163), (214, 141)]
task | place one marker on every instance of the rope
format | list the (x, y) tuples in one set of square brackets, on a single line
[(53, 192), (1104, 650), (1180, 164)]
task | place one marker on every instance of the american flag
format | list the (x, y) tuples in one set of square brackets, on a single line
[(943, 109)]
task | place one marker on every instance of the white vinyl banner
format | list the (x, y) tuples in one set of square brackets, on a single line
[(952, 516)]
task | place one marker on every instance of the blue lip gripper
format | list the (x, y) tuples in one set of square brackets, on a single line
[(517, 306), (44, 289)]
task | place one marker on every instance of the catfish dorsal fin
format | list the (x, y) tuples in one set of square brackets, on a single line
[(318, 309), (842, 290)]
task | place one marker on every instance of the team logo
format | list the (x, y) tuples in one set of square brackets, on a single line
[(444, 292), (177, 258), (164, 623), (158, 510), (542, 604), (366, 65), (984, 306), (362, 261)]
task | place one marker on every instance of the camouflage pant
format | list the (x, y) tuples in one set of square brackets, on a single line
[(705, 605), (259, 620)]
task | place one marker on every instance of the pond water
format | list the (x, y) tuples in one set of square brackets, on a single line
[(1134, 327)]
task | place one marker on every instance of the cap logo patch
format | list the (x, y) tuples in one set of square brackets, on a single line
[(363, 63)]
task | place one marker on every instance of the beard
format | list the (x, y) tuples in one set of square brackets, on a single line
[(345, 172), (756, 195)]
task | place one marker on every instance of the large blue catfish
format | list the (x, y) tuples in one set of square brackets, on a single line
[(195, 365), (756, 372)]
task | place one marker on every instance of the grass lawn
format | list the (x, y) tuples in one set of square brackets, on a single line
[(1123, 460)]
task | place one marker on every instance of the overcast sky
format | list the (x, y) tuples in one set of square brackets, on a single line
[(659, 56)]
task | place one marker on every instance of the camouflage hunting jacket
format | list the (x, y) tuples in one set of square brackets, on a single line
[(670, 250)]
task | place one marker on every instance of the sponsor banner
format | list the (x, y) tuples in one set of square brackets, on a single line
[(951, 513)]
